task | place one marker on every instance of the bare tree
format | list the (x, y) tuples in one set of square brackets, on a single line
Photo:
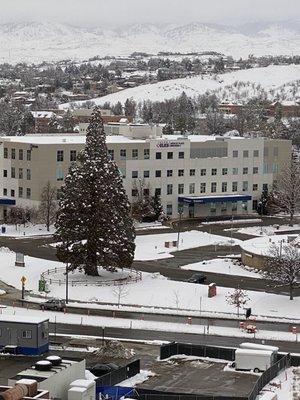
[(176, 299), (120, 291), (283, 265), (286, 194), (237, 298), (48, 205)]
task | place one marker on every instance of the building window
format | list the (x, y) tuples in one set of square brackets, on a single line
[(12, 193), (223, 206), (28, 193), (214, 171), (245, 153), (192, 172), (234, 186), (13, 172), (224, 171), (158, 155), (4, 192), (213, 187), (265, 187), (213, 207), (275, 168), (180, 188), (146, 174), (192, 188), (245, 186), (157, 191), (275, 151), (135, 154), (255, 187), (28, 155), (20, 173), (26, 334), (254, 205), (13, 154), (181, 154), (245, 205), (266, 168), (59, 174), (58, 193), (158, 173), (123, 154), (255, 170), (266, 151), (224, 187), (202, 187), (5, 152), (28, 174), (234, 206), (235, 171), (255, 153), (20, 192), (146, 192), (169, 172), (20, 154), (146, 154), (235, 153), (134, 192), (245, 171), (135, 174), (5, 173), (170, 155), (169, 209), (181, 172), (60, 156), (170, 189), (203, 172), (73, 155)]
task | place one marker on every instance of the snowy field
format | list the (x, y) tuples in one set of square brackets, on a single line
[(153, 291), (264, 230), (269, 78), (223, 266), (152, 247), (27, 230)]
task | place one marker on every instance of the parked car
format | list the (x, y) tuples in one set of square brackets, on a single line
[(197, 278), (102, 369), (53, 304)]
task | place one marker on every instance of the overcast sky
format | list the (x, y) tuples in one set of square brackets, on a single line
[(114, 12)]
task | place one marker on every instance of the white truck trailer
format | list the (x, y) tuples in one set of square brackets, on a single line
[(252, 359), (256, 346)]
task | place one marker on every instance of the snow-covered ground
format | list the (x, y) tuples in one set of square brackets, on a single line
[(27, 230), (152, 247), (222, 266), (265, 230), (281, 386), (152, 291), (271, 78)]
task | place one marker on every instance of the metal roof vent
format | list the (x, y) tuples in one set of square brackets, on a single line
[(43, 365), (55, 360)]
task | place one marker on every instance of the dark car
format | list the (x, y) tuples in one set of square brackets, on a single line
[(102, 369), (53, 305), (197, 278)]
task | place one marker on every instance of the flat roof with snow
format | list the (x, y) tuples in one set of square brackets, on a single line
[(22, 319)]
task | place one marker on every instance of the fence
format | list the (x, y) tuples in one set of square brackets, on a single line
[(171, 349), (142, 394), (119, 375), (49, 277)]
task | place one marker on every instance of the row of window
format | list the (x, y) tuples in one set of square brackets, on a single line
[(20, 173), (20, 154), (203, 188), (60, 155), (192, 172), (25, 334), (223, 206), (21, 193)]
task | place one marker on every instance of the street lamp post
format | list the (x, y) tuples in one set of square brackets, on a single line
[(67, 282), (180, 211)]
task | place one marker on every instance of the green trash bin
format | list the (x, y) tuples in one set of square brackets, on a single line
[(42, 285)]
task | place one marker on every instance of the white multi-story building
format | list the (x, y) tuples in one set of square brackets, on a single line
[(209, 176)]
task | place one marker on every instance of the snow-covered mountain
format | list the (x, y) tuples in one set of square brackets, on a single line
[(275, 82), (38, 41)]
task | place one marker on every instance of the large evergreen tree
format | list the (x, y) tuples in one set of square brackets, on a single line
[(93, 225)]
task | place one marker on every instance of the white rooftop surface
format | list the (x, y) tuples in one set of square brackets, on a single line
[(261, 245), (254, 346), (25, 320), (82, 383), (80, 139), (253, 352)]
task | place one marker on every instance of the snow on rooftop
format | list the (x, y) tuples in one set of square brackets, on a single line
[(25, 320)]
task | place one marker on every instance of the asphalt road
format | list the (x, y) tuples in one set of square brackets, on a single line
[(134, 334)]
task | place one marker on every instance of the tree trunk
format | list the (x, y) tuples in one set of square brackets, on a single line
[(291, 291), (91, 267)]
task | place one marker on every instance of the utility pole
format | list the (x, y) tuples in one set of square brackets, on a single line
[(180, 211)]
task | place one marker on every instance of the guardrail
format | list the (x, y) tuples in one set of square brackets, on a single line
[(49, 277)]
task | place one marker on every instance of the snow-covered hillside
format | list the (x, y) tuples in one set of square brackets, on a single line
[(276, 82), (38, 41)]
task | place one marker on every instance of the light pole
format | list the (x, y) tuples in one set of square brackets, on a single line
[(180, 211)]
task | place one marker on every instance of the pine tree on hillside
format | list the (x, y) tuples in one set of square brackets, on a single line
[(93, 223)]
